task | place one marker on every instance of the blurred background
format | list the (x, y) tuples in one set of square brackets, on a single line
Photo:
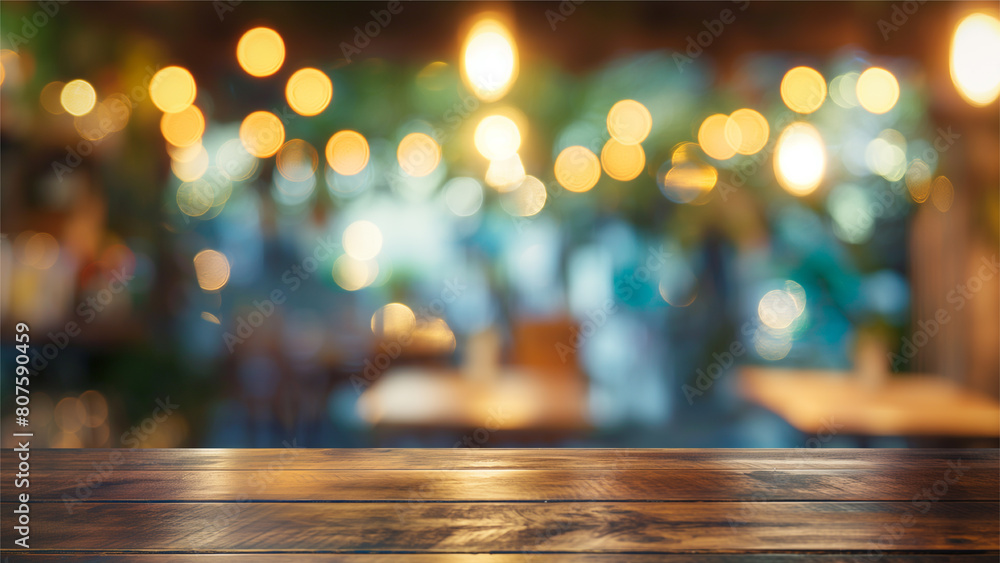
[(712, 224)]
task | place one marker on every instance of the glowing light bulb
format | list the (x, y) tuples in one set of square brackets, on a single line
[(975, 59), (800, 159), (489, 60)]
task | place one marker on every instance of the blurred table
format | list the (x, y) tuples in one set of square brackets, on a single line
[(903, 405), (513, 399), (482, 505)]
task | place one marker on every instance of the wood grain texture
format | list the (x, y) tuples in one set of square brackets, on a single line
[(500, 506), (281, 483), (511, 527), (105, 557), (471, 458)]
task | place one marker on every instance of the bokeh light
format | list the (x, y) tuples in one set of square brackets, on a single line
[(362, 240), (235, 161), (262, 134), (195, 198), (418, 154), (463, 196), (39, 250), (622, 162), (261, 51), (885, 155), (803, 89), (779, 308), (877, 90), (70, 414), (95, 407), (527, 199), (50, 97), (629, 122), (489, 60), (193, 167), (120, 107), (942, 193), (918, 180), (347, 152), (505, 175), (183, 128), (212, 269), (95, 124), (297, 160), (309, 91), (352, 274), (975, 59), (754, 130), (497, 137), (78, 97), (719, 136), (577, 169), (800, 159), (172, 89), (393, 321), (686, 178), (843, 90)]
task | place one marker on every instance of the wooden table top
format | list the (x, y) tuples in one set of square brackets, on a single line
[(907, 405), (500, 506)]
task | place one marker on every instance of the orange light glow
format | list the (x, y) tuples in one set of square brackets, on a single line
[(803, 89), (418, 154), (212, 269), (577, 169), (877, 90), (78, 97), (297, 160), (309, 91), (172, 89), (629, 122), (260, 52), (183, 128), (622, 162), (262, 134), (347, 152), (489, 60)]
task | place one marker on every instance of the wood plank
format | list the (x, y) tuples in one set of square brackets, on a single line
[(291, 484), (502, 558), (82, 461), (513, 527)]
